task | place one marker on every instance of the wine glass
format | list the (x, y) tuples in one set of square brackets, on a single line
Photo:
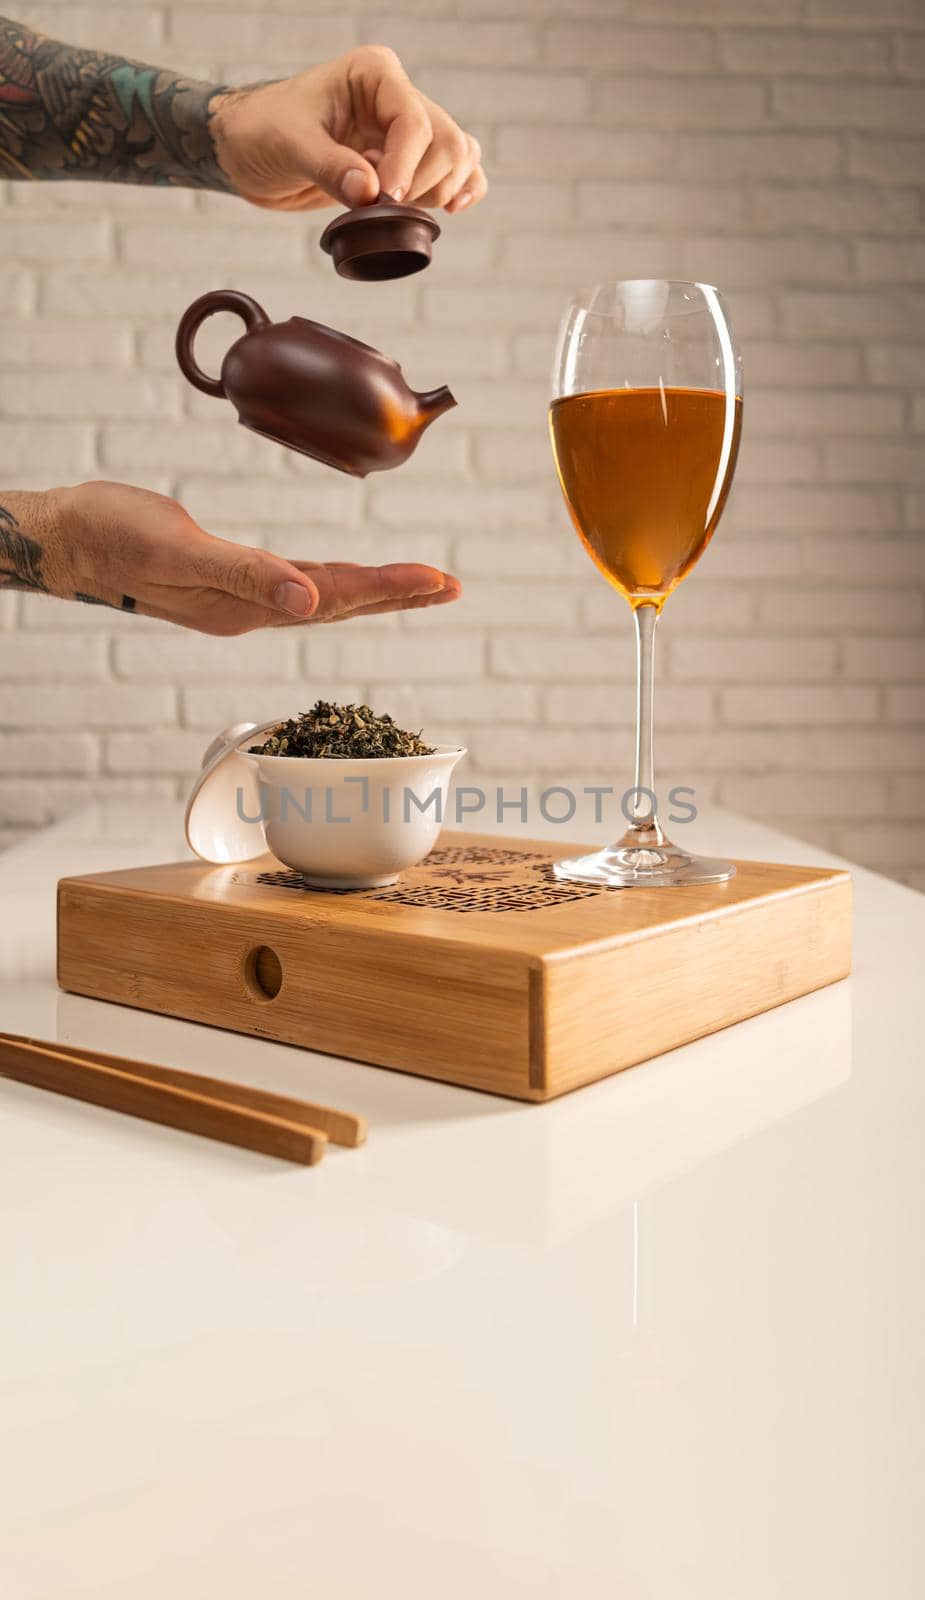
[(645, 421)]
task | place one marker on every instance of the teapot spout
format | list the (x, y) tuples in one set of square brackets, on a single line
[(434, 403)]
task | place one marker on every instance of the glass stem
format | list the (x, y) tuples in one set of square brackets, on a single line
[(643, 807)]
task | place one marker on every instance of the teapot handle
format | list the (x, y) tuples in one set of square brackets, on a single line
[(219, 300)]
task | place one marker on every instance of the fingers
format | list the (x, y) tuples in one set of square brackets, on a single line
[(341, 172), (232, 593), (449, 164), (256, 577), (407, 138), (412, 148), (472, 192), (345, 591), (419, 602), (451, 170)]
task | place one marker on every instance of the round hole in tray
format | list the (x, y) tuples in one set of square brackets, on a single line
[(263, 972)]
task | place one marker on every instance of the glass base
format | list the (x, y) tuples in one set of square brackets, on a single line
[(643, 858)]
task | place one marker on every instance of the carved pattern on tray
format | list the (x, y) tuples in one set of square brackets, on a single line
[(478, 856), (454, 878), (482, 897)]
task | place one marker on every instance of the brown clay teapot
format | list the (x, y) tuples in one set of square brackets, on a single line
[(311, 388)]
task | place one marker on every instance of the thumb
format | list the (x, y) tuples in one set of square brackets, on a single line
[(341, 172), (262, 579)]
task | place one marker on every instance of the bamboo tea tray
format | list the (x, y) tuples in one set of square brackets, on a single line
[(478, 967)]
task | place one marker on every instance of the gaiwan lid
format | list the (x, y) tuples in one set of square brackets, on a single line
[(384, 240), (224, 796)]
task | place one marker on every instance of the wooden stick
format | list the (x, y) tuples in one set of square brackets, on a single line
[(341, 1127), (122, 1089)]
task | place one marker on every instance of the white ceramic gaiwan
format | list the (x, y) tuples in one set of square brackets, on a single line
[(354, 824), (343, 824)]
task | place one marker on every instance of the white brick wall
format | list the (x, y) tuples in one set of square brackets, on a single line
[(778, 150)]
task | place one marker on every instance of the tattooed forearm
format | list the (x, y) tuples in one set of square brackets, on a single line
[(20, 556), (72, 113), (42, 565)]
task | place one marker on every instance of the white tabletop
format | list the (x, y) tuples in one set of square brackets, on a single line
[(662, 1339)]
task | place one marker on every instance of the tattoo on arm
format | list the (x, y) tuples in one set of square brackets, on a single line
[(20, 557), (66, 112), (21, 565), (127, 603)]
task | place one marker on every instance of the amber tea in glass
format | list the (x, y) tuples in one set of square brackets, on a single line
[(638, 470), (645, 421)]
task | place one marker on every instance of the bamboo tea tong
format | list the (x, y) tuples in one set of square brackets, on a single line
[(274, 1124)]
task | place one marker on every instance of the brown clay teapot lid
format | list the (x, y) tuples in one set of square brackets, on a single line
[(384, 240)]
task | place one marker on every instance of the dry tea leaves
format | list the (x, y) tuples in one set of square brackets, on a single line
[(341, 732)]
